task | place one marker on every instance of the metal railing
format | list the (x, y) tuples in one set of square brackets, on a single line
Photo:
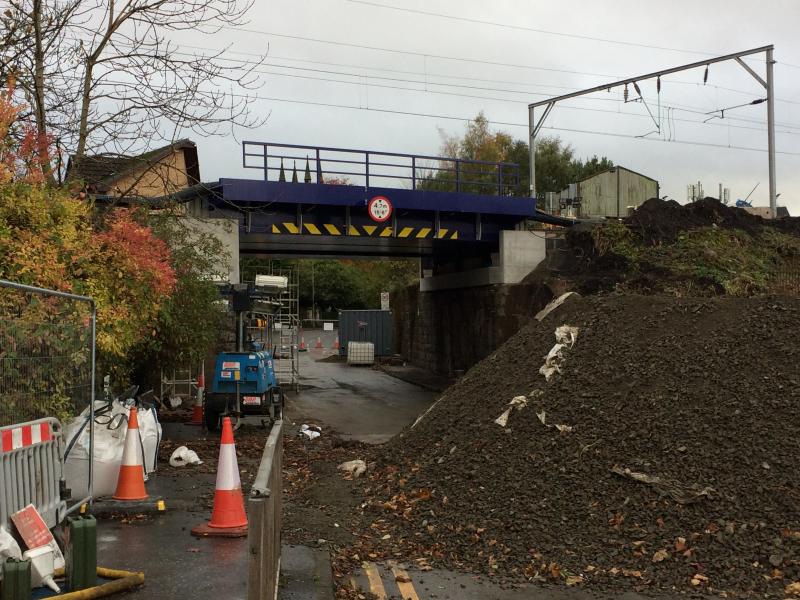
[(369, 168), (47, 377), (264, 509)]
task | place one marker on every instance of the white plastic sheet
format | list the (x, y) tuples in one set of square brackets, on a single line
[(182, 456)]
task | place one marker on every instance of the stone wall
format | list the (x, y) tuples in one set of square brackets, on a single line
[(450, 330)]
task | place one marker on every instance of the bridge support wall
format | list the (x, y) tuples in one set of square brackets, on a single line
[(448, 331), (519, 253)]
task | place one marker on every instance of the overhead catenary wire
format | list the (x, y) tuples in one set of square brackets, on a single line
[(493, 122), (364, 80), (427, 55)]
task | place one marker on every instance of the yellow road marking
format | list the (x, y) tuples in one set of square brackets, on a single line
[(313, 229), (332, 229), (387, 231), (291, 228), (442, 233), (370, 229), (424, 232), (405, 232), (406, 587), (353, 230), (375, 583), (275, 229)]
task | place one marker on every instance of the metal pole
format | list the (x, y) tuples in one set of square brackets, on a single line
[(532, 148), (773, 208), (91, 404)]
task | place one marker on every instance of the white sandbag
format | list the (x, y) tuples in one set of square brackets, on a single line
[(109, 440)]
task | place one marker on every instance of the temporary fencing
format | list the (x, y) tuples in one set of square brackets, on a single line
[(47, 377)]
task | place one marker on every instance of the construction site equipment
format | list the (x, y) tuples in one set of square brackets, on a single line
[(44, 370), (31, 470), (244, 385), (360, 353), (16, 583), (228, 518), (81, 552), (130, 483)]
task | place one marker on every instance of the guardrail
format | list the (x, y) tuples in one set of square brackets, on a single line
[(265, 506), (380, 169)]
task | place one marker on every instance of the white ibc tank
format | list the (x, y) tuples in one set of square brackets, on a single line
[(360, 353)]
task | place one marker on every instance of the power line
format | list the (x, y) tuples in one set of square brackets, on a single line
[(543, 31), (529, 29), (461, 59), (502, 123), (511, 100)]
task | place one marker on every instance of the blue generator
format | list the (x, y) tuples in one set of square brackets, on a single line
[(244, 385)]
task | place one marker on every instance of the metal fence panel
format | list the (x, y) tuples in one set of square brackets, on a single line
[(31, 470), (47, 377)]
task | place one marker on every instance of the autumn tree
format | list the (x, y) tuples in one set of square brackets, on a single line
[(556, 163), (107, 75)]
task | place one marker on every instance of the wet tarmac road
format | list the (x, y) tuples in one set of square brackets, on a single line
[(359, 402)]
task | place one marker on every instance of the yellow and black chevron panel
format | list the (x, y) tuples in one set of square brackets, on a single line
[(365, 231)]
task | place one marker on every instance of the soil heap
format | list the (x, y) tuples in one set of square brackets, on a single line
[(663, 456), (700, 249)]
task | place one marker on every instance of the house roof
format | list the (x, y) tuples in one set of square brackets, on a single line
[(100, 171), (613, 169)]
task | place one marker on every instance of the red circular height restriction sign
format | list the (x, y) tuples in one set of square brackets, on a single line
[(380, 209)]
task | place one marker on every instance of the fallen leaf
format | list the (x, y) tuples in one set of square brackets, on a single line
[(402, 579), (660, 556), (793, 589), (574, 580), (680, 544)]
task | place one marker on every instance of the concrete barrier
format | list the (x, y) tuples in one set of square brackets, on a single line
[(264, 508)]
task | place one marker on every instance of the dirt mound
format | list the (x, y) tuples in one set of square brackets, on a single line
[(660, 221), (663, 456)]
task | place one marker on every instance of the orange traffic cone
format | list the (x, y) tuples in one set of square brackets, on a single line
[(302, 344), (197, 412), (228, 518), (130, 482), (335, 344), (318, 345)]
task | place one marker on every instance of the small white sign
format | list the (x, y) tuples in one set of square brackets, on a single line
[(384, 300), (327, 327)]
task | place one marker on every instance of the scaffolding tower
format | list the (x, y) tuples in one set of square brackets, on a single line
[(279, 330)]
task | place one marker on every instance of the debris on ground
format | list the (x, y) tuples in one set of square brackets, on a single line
[(354, 468), (312, 432), (673, 406), (182, 456)]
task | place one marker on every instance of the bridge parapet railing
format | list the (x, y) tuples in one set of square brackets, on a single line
[(370, 168)]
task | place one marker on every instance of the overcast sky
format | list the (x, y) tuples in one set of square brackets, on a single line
[(411, 55)]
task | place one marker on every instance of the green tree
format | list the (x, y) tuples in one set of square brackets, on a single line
[(556, 163)]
